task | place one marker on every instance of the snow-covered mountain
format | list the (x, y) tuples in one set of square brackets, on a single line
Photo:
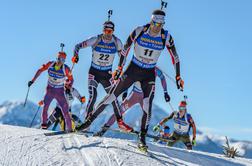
[(14, 113), (25, 146)]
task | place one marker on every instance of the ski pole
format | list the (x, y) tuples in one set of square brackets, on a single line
[(79, 113), (40, 104), (62, 45), (163, 4), (26, 96), (171, 106), (110, 12), (172, 79), (185, 98), (72, 68)]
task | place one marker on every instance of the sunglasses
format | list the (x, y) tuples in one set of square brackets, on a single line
[(108, 31), (182, 108), (157, 24), (61, 60)]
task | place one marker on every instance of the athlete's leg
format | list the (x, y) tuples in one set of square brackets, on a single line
[(61, 99), (56, 114), (132, 99), (47, 101), (148, 87), (186, 140), (174, 138), (92, 89), (123, 83), (148, 90)]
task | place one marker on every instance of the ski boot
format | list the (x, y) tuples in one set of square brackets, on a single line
[(123, 126), (84, 125), (141, 142), (102, 131), (44, 126)]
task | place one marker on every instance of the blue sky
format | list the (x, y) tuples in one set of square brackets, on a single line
[(213, 39)]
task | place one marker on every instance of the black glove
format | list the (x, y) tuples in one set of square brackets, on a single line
[(30, 83), (124, 95), (68, 91), (167, 97)]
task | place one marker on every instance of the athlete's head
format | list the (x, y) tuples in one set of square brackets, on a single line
[(182, 107), (61, 57), (108, 28), (157, 21)]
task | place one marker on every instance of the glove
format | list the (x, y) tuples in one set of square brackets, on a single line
[(167, 97), (41, 103), (68, 91), (116, 74), (179, 82), (156, 128), (194, 142), (30, 83), (124, 95), (75, 59), (83, 99)]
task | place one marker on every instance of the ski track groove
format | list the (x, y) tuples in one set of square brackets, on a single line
[(83, 157), (114, 154), (172, 159), (82, 152)]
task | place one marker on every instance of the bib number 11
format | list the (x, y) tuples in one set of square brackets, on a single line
[(148, 52)]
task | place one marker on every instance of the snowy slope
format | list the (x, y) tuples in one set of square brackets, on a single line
[(25, 146), (15, 114)]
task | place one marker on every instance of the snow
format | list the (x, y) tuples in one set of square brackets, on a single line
[(26, 146), (13, 113)]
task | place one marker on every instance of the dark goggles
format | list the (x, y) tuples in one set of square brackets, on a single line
[(157, 24), (59, 59), (181, 108)]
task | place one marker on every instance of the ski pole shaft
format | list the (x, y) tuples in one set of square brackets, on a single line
[(79, 112), (62, 45), (26, 96), (169, 77), (35, 116), (72, 68), (171, 106)]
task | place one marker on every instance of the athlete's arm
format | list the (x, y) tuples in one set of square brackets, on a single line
[(193, 126), (87, 43), (76, 93), (41, 69), (167, 118), (128, 44), (174, 56), (69, 74), (161, 76)]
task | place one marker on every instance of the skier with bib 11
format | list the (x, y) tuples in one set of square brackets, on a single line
[(149, 41), (58, 72)]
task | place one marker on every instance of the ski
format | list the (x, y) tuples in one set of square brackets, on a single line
[(147, 135), (54, 133), (142, 150)]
